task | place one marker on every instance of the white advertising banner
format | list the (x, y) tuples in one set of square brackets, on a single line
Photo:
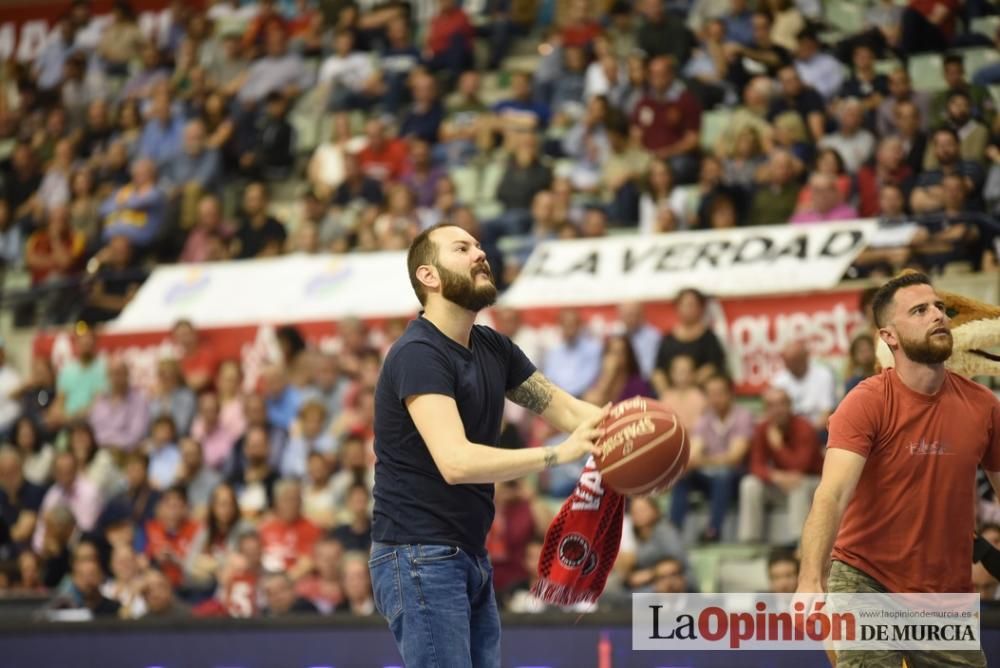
[(294, 288), (726, 263)]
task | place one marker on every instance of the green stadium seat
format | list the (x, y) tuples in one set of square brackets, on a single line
[(466, 183), (712, 124), (926, 72), (848, 17), (985, 25), (976, 58)]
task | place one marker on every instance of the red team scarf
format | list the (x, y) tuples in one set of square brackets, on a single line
[(581, 544)]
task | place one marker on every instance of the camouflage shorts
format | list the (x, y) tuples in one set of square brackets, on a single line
[(847, 579)]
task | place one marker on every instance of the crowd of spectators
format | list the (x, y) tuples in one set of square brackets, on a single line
[(202, 494)]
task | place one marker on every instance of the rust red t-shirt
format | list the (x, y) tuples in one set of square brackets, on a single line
[(663, 121), (910, 522), (284, 543)]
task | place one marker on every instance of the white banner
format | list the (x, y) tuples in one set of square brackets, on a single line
[(725, 263), (839, 622), (294, 288)]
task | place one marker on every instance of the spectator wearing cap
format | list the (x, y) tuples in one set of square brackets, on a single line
[(73, 490), (668, 120), (120, 417)]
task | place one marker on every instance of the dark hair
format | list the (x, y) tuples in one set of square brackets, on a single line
[(631, 361), (884, 297), (36, 432), (84, 426), (695, 292), (958, 92), (953, 59), (841, 168), (780, 555), (215, 530), (167, 419), (175, 490), (422, 251), (948, 131), (716, 376)]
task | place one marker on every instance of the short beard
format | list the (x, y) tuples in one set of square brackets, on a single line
[(462, 290), (927, 350)]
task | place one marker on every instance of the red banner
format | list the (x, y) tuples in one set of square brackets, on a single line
[(25, 25), (753, 331)]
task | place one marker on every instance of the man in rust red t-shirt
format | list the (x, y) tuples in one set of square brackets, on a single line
[(897, 499), (668, 120)]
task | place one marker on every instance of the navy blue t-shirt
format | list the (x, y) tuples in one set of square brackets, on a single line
[(413, 503)]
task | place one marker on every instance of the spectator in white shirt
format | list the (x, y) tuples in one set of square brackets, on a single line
[(10, 381), (852, 141), (348, 79), (810, 385)]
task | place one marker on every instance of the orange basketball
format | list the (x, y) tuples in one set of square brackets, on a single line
[(644, 449)]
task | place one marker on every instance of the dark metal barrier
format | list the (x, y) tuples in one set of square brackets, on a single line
[(529, 641)]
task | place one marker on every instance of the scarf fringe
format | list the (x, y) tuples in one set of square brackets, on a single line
[(553, 593)]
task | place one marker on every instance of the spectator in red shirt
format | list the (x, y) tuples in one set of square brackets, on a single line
[(889, 167), (785, 462), (514, 527), (449, 40), (56, 250), (287, 537), (581, 29), (198, 360), (169, 535), (668, 120), (384, 158), (267, 16), (928, 26)]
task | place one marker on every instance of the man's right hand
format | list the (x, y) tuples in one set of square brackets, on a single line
[(583, 440)]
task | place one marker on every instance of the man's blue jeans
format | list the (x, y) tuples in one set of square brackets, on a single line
[(439, 603)]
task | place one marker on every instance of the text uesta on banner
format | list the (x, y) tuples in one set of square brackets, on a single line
[(727, 263), (895, 622)]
